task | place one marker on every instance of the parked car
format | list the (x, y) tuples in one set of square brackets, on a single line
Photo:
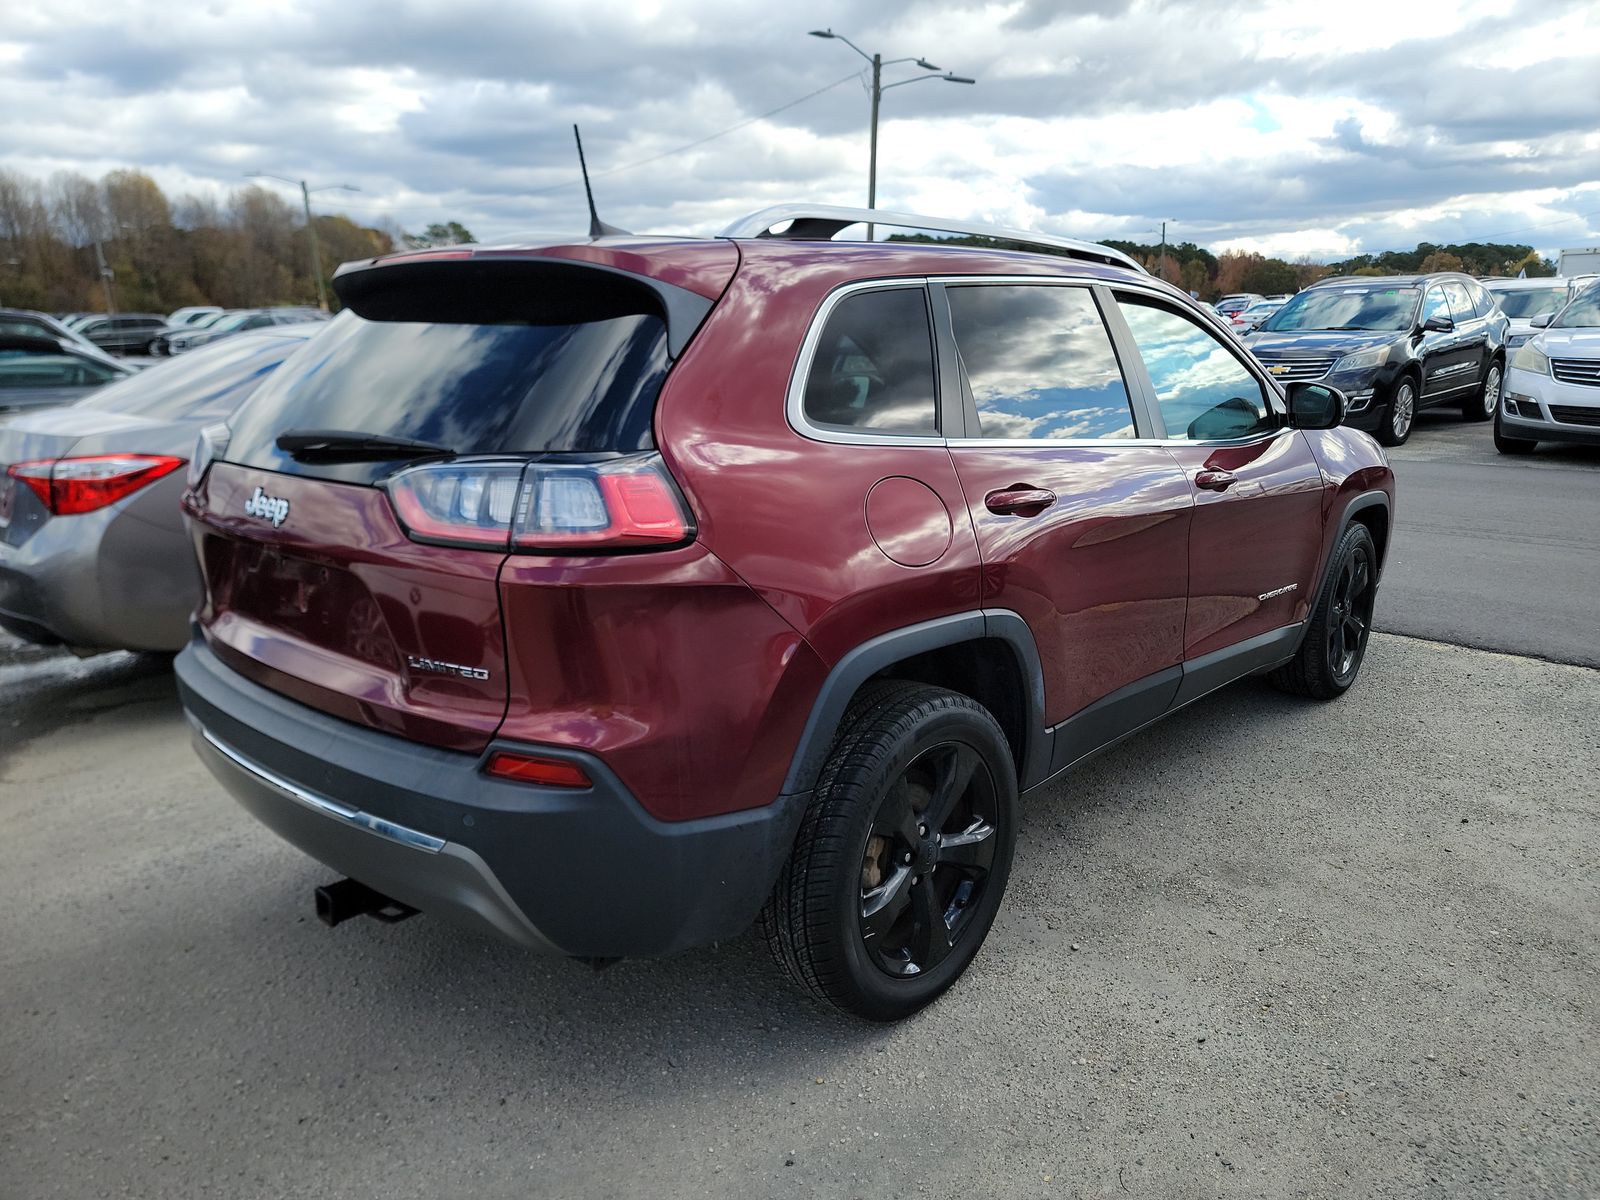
[(1237, 302), (1393, 345), (37, 324), (471, 559), (181, 341), (159, 345), (1247, 320), (1553, 382), (36, 372), (92, 549), (193, 314), (1524, 299), (125, 333)]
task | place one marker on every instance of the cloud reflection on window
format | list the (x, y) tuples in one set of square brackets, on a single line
[(1191, 371), (1039, 362)]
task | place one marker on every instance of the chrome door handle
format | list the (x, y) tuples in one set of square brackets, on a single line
[(1215, 481), (1019, 501)]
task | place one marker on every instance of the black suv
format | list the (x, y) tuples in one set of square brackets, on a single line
[(1392, 344)]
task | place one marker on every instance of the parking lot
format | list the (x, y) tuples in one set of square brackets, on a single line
[(1268, 948)]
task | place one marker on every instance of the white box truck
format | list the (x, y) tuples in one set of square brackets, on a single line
[(1585, 260)]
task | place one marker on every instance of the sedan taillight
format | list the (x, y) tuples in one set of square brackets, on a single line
[(618, 504), (80, 485)]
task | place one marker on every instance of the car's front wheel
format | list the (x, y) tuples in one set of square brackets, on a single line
[(1485, 402), (903, 853), (1335, 641), (1510, 445), (1398, 418)]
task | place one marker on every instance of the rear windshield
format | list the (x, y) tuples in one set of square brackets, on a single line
[(209, 382), (588, 387), (1527, 303)]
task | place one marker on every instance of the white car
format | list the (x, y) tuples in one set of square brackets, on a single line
[(1524, 299), (1249, 320), (1552, 391)]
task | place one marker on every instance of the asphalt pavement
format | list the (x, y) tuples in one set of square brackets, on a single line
[(1268, 948), (1493, 551)]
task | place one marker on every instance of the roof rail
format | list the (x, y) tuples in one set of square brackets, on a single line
[(821, 221)]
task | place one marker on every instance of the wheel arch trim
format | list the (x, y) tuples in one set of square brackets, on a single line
[(873, 655)]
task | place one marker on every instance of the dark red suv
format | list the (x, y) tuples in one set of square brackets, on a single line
[(615, 594)]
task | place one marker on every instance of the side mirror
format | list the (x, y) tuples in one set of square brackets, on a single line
[(1542, 321), (1235, 417), (1315, 406), (1438, 325)]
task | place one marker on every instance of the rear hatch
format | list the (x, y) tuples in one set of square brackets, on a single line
[(353, 520)]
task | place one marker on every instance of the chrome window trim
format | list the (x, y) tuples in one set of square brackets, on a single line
[(794, 403), (354, 817)]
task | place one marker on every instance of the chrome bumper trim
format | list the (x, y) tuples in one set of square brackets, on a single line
[(330, 808)]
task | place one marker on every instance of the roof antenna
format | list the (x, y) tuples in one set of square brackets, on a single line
[(597, 227)]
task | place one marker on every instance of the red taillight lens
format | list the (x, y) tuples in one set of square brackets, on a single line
[(80, 485), (531, 768), (621, 504)]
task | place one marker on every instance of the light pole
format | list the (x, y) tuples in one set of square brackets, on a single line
[(878, 88), (311, 227)]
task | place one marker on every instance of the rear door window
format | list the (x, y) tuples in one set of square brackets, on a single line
[(1039, 363), (588, 387), (872, 369), (1462, 307)]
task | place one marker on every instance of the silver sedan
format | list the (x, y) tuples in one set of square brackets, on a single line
[(93, 553)]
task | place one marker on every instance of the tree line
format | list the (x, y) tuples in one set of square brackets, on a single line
[(1212, 276), (74, 244)]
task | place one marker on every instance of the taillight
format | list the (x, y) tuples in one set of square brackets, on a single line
[(80, 485), (621, 504)]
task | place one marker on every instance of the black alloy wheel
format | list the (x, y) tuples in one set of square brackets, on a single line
[(1350, 618), (902, 856), (1335, 640), (928, 859)]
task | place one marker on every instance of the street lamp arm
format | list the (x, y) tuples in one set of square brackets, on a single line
[(920, 78), (828, 33), (267, 175), (335, 187)]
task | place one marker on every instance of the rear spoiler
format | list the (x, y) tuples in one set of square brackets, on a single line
[(461, 287)]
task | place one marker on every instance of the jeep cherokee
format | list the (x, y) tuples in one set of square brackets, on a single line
[(615, 595)]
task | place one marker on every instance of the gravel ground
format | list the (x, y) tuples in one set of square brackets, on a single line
[(1268, 948)]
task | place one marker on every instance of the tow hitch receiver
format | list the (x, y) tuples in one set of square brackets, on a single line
[(348, 898)]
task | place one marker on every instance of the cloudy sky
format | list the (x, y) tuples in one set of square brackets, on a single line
[(1290, 128)]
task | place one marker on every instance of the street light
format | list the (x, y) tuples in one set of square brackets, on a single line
[(878, 88), (305, 198)]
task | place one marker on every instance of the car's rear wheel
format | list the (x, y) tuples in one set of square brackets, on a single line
[(1401, 414), (903, 854), (1335, 642), (1485, 402), (1510, 445)]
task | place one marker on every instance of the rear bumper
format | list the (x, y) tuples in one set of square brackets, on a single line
[(577, 872)]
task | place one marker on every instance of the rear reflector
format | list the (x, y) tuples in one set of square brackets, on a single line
[(617, 504), (531, 768), (80, 485)]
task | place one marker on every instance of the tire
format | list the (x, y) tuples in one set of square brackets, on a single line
[(1335, 642), (1485, 402), (1510, 445), (874, 912), (1400, 414)]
